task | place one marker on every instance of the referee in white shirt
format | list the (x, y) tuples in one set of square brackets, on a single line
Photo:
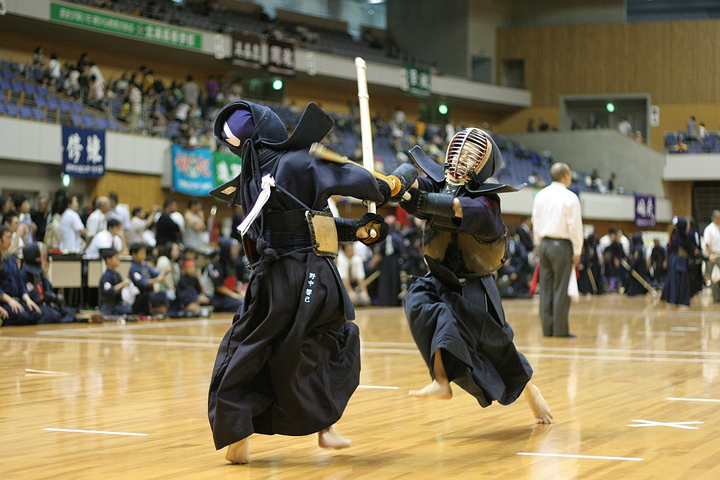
[(558, 230), (711, 239)]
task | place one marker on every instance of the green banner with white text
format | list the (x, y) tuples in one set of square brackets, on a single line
[(227, 167), (82, 17)]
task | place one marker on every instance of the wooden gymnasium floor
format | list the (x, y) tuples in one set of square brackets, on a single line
[(636, 395)]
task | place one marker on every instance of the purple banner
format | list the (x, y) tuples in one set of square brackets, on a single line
[(645, 210)]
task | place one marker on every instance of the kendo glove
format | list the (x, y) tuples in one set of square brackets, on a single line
[(429, 204), (405, 175), (373, 223), (411, 206)]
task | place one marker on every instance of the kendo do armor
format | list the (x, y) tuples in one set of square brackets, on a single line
[(472, 157)]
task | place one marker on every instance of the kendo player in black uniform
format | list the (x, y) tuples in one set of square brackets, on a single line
[(291, 360), (455, 312)]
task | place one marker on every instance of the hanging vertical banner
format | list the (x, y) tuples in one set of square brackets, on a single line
[(192, 171), (416, 81), (227, 167), (645, 213), (281, 57), (83, 152), (247, 50)]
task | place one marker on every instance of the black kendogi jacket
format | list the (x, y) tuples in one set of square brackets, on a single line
[(465, 320), (290, 361)]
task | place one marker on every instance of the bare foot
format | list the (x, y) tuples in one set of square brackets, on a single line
[(329, 438), (435, 390), (537, 403), (239, 452)]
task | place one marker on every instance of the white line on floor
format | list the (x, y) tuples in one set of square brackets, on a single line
[(378, 387), (591, 457), (666, 334), (711, 400), (651, 423), (71, 430)]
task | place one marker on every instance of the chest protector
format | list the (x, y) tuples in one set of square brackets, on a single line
[(453, 256)]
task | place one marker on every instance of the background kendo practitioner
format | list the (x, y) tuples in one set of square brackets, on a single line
[(455, 312), (291, 360)]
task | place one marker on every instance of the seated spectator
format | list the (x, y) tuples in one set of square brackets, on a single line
[(168, 230), (352, 271), (624, 126), (39, 287), (702, 133), (167, 262), (223, 274), (112, 285), (681, 146), (120, 212), (195, 228), (190, 294), (144, 277), (22, 206), (40, 217), (11, 220), (97, 220), (140, 222), (110, 238), (16, 306)]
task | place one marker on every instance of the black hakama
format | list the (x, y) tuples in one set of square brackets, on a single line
[(290, 362), (468, 325)]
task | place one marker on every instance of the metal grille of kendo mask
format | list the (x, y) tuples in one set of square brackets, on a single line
[(468, 151)]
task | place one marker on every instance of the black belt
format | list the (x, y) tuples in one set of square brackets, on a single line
[(557, 239)]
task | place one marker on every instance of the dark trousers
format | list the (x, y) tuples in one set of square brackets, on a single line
[(555, 268)]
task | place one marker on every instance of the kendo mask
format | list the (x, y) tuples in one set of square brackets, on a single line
[(471, 157)]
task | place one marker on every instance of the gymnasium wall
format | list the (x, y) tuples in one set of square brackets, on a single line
[(673, 61)]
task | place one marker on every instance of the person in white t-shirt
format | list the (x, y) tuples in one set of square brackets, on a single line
[(352, 271), (109, 238), (71, 228), (195, 227), (97, 221)]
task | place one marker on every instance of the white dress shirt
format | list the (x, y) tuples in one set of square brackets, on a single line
[(96, 223), (711, 238), (556, 214)]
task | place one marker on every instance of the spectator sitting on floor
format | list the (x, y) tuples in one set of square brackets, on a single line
[(190, 294), (223, 274), (39, 287), (16, 306), (112, 285), (144, 277)]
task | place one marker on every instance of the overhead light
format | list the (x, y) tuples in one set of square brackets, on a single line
[(443, 109), (277, 84), (610, 107)]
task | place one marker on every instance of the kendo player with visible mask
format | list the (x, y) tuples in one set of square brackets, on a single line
[(291, 360), (455, 312)]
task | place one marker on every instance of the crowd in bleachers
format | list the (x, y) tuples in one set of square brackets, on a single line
[(695, 139), (209, 15)]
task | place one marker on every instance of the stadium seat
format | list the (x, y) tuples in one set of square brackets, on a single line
[(11, 110), (39, 114), (25, 112), (29, 89), (77, 120), (102, 123), (89, 121), (65, 106)]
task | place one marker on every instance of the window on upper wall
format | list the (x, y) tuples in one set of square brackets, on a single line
[(513, 74)]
